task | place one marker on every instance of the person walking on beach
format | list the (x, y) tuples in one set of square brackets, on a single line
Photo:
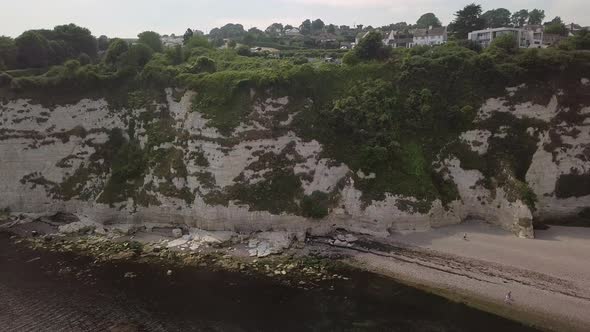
[(465, 236), (508, 298)]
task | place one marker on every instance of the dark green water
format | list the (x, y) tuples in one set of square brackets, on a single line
[(36, 296)]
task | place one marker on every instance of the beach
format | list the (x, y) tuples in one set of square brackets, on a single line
[(548, 277)]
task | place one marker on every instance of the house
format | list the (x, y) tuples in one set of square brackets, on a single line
[(485, 37), (431, 36), (346, 45), (534, 36), (294, 32), (403, 39), (360, 36), (172, 40), (552, 39)]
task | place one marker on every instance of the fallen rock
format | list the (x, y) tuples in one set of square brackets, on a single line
[(123, 255), (179, 242), (177, 233), (269, 243), (211, 237)]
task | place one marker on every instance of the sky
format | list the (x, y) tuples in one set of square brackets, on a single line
[(126, 18)]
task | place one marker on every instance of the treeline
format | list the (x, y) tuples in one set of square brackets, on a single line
[(42, 48), (472, 17)]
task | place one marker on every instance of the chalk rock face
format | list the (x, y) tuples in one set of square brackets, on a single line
[(167, 164)]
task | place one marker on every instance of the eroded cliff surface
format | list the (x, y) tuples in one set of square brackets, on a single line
[(158, 163)]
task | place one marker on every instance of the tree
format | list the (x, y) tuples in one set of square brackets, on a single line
[(520, 18), (152, 40), (331, 28), (506, 42), (33, 50), (197, 41), (203, 65), (428, 20), (555, 20), (232, 44), (466, 20), (103, 43), (78, 39), (175, 54), (536, 16), (305, 27), (371, 47), (229, 30), (274, 29), (187, 36), (317, 25), (59, 51), (84, 59), (243, 51), (249, 39), (497, 18), (138, 55), (579, 41), (556, 26), (116, 49), (8, 53)]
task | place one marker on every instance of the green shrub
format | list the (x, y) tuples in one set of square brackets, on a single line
[(316, 205)]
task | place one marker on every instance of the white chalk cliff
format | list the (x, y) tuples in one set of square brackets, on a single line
[(43, 148)]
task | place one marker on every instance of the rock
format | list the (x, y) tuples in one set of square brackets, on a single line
[(178, 242), (177, 233), (340, 243), (346, 238), (123, 255), (269, 243), (264, 249), (130, 275), (169, 272), (77, 227)]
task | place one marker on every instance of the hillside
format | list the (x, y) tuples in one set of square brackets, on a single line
[(391, 141)]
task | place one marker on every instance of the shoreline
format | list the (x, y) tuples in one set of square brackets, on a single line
[(551, 297), (537, 320)]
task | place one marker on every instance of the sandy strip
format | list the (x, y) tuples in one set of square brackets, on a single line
[(549, 277)]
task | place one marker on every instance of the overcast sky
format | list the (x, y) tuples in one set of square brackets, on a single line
[(126, 18)]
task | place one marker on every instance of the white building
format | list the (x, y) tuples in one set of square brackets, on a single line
[(525, 37), (534, 35), (172, 40), (430, 36), (294, 32), (399, 39)]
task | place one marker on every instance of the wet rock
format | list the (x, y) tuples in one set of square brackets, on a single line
[(123, 255)]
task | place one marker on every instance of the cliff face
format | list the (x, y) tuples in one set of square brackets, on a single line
[(163, 163)]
